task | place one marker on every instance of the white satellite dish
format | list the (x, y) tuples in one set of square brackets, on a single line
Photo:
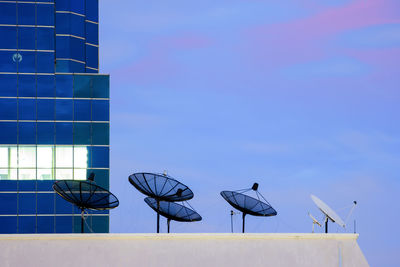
[(329, 213)]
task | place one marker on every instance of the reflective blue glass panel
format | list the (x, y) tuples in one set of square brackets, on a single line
[(27, 203), (83, 86), (77, 67), (101, 86), (9, 223), (100, 110), (78, 7), (63, 5), (45, 185), (77, 49), (45, 203), (100, 157), (8, 185), (26, 185), (8, 85), (27, 85), (8, 133), (82, 110), (26, 14), (64, 224), (45, 86), (45, 224), (27, 132), (8, 109), (62, 65), (92, 34), (8, 203), (45, 38), (45, 133), (92, 56), (27, 64), (62, 206), (64, 85), (45, 15), (100, 224), (26, 37), (8, 61), (77, 25), (64, 109), (45, 62), (27, 109), (8, 13), (92, 10), (63, 47), (45, 109), (101, 177), (8, 38), (64, 133), (63, 23), (100, 133), (26, 224), (82, 133)]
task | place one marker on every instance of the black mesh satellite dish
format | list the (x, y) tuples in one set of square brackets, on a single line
[(85, 195), (161, 187), (173, 211), (247, 204)]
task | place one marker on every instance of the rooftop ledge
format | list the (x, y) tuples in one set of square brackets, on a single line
[(178, 236)]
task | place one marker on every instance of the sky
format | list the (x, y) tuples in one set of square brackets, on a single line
[(300, 96)]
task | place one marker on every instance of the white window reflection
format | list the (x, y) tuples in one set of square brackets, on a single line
[(45, 157), (27, 157), (64, 157), (43, 162)]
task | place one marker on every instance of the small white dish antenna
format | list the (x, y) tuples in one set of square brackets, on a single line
[(315, 222), (328, 212)]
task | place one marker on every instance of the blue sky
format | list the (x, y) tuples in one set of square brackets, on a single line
[(300, 96)]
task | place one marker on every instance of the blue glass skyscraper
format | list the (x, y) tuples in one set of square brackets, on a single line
[(54, 113)]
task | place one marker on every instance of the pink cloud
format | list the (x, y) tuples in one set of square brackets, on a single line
[(305, 39)]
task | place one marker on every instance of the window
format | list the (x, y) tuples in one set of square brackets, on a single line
[(27, 63), (8, 13), (27, 109), (92, 33), (92, 11), (8, 38), (64, 85), (82, 110), (100, 110), (92, 56), (27, 85), (8, 109), (45, 62), (8, 85), (64, 108), (27, 163), (46, 109), (45, 15), (26, 38), (45, 86), (8, 61), (27, 133), (45, 38), (26, 14)]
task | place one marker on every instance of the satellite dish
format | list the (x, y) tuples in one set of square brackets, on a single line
[(173, 211), (247, 204), (85, 195), (328, 212), (161, 187)]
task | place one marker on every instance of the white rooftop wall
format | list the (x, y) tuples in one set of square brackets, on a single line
[(181, 250)]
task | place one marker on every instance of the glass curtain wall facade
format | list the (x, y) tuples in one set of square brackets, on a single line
[(54, 113)]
